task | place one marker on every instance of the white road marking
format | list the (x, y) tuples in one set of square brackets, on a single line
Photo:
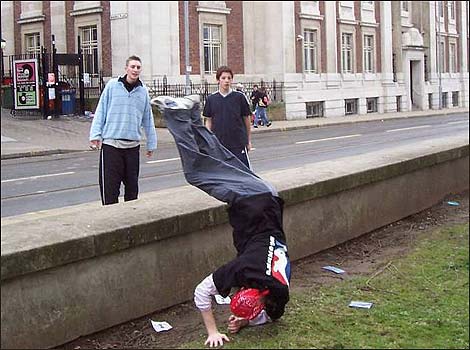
[(38, 177), (329, 138), (458, 122), (410, 128), (162, 160)]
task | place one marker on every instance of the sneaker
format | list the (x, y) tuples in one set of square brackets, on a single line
[(255, 126), (268, 125), (168, 102), (195, 98)]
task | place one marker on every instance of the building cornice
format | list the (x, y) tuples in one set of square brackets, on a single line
[(88, 11), (310, 16), (368, 24), (32, 19), (219, 10), (347, 21)]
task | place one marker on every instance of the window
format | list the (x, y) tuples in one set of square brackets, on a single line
[(426, 68), (368, 53), (350, 106), (212, 47), (372, 104), (441, 56), (32, 43), (455, 98), (444, 100), (452, 58), (310, 51), (404, 6), (451, 10), (347, 52), (440, 9), (314, 109), (89, 46)]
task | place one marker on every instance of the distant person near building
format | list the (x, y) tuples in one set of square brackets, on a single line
[(123, 109), (228, 116), (260, 112)]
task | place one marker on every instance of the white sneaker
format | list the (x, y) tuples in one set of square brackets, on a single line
[(169, 102), (195, 98)]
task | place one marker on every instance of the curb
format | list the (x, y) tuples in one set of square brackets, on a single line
[(297, 127), (253, 131), (38, 153)]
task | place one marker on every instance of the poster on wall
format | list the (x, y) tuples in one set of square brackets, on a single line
[(26, 84)]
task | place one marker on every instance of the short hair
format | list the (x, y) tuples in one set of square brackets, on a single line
[(223, 69), (133, 58)]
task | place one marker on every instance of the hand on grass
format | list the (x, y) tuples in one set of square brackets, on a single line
[(216, 339)]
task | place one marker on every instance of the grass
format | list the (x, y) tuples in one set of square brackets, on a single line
[(421, 301)]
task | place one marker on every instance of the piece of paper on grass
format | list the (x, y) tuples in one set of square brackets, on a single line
[(221, 300), (361, 304), (453, 203), (161, 326), (333, 269)]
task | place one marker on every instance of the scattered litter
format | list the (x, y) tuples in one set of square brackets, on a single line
[(221, 300), (333, 269), (89, 114), (361, 304), (161, 326), (453, 203)]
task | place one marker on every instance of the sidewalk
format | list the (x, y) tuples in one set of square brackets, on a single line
[(24, 138)]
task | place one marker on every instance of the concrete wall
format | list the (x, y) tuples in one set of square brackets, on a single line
[(73, 271)]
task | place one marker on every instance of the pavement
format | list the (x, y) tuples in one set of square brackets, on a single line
[(23, 137)]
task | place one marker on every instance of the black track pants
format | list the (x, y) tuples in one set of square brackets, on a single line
[(118, 165)]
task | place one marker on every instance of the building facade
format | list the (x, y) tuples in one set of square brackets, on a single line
[(336, 58)]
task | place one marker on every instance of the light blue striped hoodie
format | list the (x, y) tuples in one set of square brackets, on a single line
[(121, 115)]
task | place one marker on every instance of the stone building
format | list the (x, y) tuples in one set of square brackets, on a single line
[(335, 58)]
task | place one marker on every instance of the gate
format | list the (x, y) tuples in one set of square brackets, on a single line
[(63, 86)]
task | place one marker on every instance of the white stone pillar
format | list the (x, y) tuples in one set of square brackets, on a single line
[(464, 95), (432, 59), (331, 47), (389, 101), (386, 39), (58, 28)]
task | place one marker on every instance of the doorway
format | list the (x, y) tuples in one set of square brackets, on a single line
[(416, 85)]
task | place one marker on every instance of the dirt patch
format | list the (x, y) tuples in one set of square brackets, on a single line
[(361, 256)]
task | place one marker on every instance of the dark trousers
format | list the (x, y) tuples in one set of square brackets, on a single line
[(242, 154), (118, 165), (207, 164)]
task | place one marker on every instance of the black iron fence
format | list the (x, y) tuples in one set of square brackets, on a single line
[(158, 87)]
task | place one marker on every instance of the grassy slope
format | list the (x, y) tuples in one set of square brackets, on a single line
[(420, 301)]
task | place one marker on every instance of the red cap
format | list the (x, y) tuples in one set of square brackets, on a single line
[(247, 303)]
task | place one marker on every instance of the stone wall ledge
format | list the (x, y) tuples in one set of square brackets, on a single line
[(43, 240)]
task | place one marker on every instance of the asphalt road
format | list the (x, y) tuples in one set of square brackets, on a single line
[(41, 183)]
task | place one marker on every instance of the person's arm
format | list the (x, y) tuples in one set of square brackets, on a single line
[(209, 123), (203, 300), (248, 131), (246, 115), (148, 124), (99, 119)]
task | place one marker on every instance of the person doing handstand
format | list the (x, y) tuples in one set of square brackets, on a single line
[(261, 269)]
